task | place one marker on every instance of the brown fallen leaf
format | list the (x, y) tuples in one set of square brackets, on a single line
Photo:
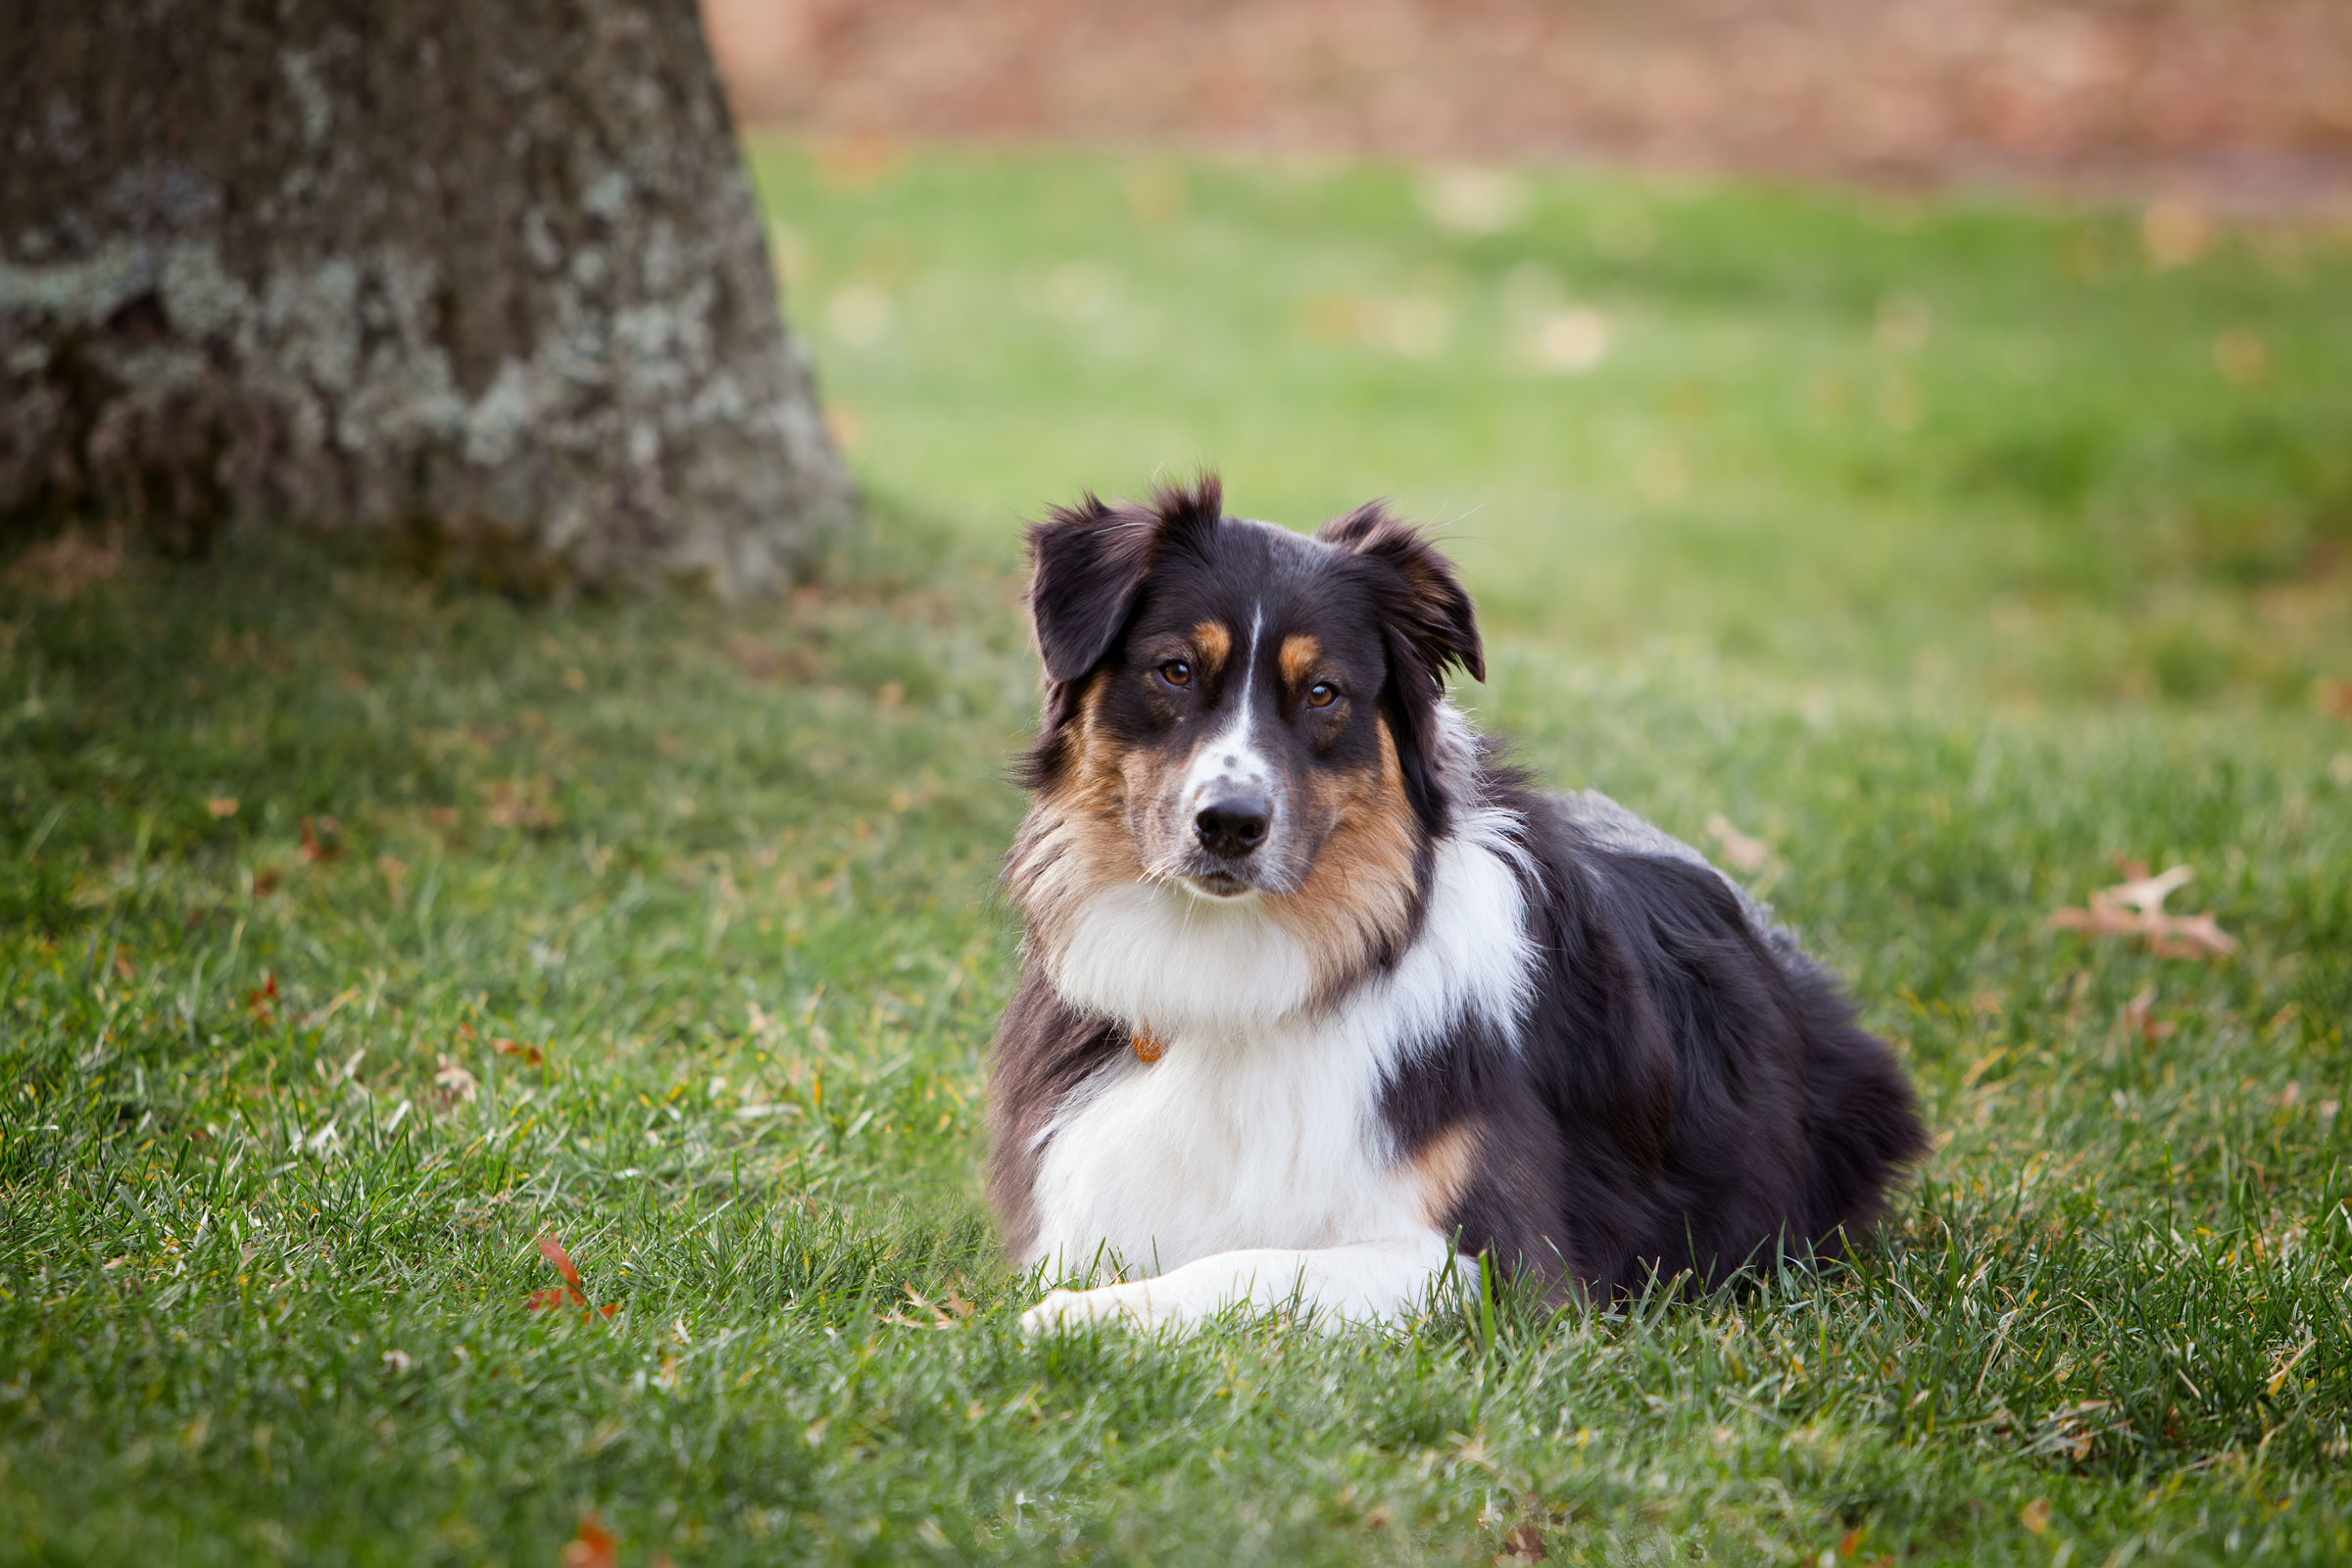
[(221, 805), (2135, 907), (2036, 1515), (523, 803), (939, 1319), (553, 1250), (1524, 1543), (2139, 1018), (2192, 936), (574, 1291), (258, 1001), (322, 839), (455, 1084), (266, 880), (592, 1546), (532, 1055), (1743, 852)]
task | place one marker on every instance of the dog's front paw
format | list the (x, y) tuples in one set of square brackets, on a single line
[(1127, 1303), (1065, 1310)]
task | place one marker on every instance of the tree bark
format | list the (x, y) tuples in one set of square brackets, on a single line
[(487, 277)]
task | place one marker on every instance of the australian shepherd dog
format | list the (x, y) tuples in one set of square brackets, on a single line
[(1320, 999)]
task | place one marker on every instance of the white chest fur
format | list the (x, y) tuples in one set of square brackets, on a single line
[(1261, 1126)]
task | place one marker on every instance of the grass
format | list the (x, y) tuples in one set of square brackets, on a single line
[(1928, 543)]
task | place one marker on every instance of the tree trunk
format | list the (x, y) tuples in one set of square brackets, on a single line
[(487, 277)]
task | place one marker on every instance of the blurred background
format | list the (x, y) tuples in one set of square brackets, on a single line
[(2249, 102), (1989, 344)]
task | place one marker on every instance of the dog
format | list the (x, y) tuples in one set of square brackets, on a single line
[(1321, 1000)]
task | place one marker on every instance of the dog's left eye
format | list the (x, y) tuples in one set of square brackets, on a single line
[(1176, 672), (1322, 694)]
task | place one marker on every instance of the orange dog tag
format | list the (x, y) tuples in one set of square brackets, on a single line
[(1148, 1047)]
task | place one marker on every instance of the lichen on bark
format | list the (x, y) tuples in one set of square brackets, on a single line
[(489, 278)]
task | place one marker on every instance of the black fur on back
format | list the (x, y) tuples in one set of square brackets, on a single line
[(1690, 1094)]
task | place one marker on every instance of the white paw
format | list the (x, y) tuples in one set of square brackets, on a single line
[(1108, 1304)]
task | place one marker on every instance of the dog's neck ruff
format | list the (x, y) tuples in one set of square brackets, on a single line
[(1260, 1123), (1162, 959)]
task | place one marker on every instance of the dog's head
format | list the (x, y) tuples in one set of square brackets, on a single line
[(1241, 716)]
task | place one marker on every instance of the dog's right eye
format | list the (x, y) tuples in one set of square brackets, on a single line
[(1176, 672)]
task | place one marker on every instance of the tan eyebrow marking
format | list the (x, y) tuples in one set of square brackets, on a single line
[(1215, 644), (1300, 654)]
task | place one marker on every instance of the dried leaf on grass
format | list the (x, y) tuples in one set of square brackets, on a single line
[(455, 1084), (523, 803), (592, 1546), (322, 839), (2135, 907), (1742, 852), (2073, 1430), (2139, 1019), (573, 1293), (954, 1307), (260, 1001), (532, 1055), (1524, 1543)]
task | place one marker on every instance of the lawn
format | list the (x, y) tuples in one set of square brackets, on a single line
[(356, 930)]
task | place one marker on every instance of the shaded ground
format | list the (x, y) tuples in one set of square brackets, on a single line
[(2245, 103)]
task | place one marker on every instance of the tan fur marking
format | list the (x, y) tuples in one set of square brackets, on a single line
[(1081, 838), (1074, 840), (1300, 654), (1215, 644), (1443, 1169), (1361, 891)]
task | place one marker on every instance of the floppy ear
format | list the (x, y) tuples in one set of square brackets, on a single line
[(1088, 563), (1428, 623), (1427, 608)]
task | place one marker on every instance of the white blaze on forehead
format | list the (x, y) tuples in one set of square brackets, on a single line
[(1231, 761)]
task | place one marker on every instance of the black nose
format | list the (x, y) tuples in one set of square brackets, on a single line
[(1234, 825)]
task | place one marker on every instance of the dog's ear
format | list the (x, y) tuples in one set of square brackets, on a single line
[(1428, 623), (1089, 561), (1426, 608)]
